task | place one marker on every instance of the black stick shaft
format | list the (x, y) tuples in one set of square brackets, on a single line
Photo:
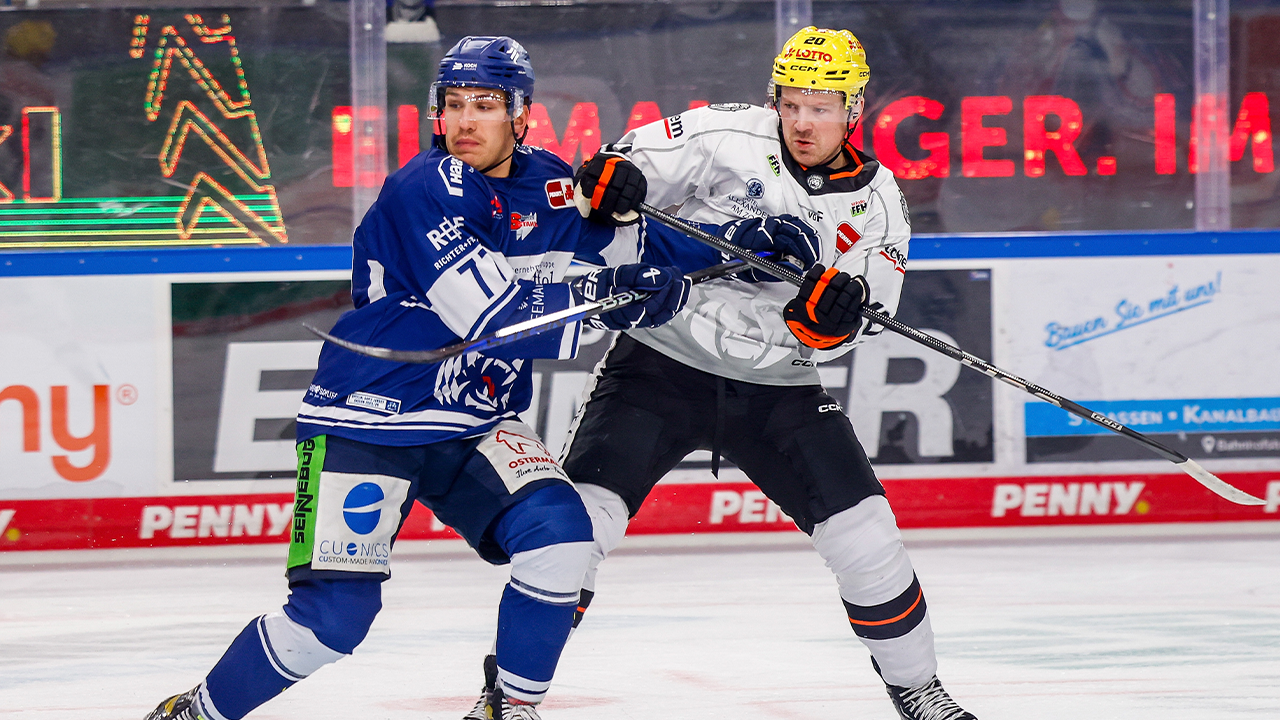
[(951, 351), (522, 330)]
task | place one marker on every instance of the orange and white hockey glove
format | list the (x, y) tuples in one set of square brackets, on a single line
[(608, 188), (828, 309)]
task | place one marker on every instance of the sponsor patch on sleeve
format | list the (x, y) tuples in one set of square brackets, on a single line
[(895, 256), (846, 237), (673, 126), (451, 172), (560, 193)]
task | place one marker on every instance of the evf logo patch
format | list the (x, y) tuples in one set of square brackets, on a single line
[(673, 127), (846, 237), (857, 208), (560, 193), (775, 166)]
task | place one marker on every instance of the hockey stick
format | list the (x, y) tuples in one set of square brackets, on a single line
[(521, 330), (1187, 465)]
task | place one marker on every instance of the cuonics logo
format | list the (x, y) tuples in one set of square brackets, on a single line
[(360, 509)]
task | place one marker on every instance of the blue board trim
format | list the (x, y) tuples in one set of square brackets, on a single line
[(923, 247), (176, 260)]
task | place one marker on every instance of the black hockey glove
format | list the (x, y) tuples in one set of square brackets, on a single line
[(608, 188), (785, 235), (828, 309), (668, 290)]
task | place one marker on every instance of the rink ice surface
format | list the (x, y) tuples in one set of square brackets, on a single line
[(742, 627)]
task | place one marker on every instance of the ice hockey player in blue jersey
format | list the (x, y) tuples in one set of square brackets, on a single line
[(471, 236)]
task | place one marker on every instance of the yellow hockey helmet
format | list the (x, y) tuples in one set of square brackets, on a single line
[(821, 59)]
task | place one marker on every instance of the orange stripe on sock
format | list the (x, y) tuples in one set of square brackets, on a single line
[(890, 621)]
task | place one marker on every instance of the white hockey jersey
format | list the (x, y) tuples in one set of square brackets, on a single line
[(724, 162)]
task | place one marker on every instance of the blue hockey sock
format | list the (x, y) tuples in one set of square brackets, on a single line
[(531, 635), (246, 677)]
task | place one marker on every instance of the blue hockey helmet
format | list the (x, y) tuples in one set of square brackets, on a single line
[(486, 62)]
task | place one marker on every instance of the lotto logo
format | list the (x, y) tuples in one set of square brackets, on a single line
[(846, 237), (560, 193), (1068, 499)]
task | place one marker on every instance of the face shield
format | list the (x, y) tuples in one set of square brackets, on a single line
[(818, 107), (456, 105)]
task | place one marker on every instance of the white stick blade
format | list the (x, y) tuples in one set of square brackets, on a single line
[(1218, 485)]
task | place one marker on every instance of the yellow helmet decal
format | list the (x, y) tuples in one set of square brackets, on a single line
[(820, 59)]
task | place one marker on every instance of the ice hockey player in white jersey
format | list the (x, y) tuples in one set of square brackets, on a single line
[(735, 371)]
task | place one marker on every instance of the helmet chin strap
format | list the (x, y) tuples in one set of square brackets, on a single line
[(518, 142), (848, 134)]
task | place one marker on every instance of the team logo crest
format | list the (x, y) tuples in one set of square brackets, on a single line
[(475, 381), (523, 224), (815, 182), (755, 188)]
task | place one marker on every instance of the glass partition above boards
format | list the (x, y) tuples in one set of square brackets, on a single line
[(151, 127), (234, 125), (995, 115)]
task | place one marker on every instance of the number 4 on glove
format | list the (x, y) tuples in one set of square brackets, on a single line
[(828, 309)]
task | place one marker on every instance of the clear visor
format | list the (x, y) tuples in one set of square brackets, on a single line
[(816, 106), (452, 103)]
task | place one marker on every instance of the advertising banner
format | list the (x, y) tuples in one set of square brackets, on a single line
[(82, 396), (158, 409)]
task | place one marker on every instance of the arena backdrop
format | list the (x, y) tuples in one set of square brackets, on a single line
[(154, 409), (234, 125)]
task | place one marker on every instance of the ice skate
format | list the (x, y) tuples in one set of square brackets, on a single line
[(496, 706), (178, 707), (490, 681), (929, 701)]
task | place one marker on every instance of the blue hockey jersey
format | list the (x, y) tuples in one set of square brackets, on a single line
[(447, 254)]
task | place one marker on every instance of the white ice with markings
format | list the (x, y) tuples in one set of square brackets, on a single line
[(742, 627)]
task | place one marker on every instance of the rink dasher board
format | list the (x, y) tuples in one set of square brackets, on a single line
[(728, 506), (152, 397)]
